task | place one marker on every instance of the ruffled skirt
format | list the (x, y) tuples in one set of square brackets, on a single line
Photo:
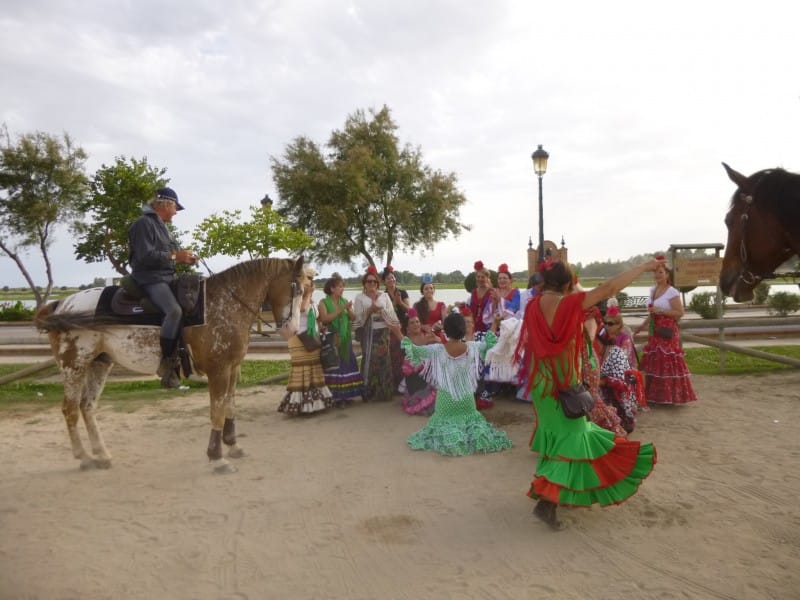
[(457, 428), (581, 464), (665, 372)]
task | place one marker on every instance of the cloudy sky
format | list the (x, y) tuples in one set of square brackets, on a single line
[(636, 102)]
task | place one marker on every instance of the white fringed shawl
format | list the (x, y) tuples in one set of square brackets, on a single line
[(456, 375), (500, 359)]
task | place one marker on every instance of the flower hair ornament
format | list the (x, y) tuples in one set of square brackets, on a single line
[(503, 268), (427, 278), (545, 265), (412, 313), (613, 311), (386, 271), (465, 311), (372, 270), (478, 266)]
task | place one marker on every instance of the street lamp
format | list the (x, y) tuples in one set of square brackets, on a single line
[(266, 201), (539, 158)]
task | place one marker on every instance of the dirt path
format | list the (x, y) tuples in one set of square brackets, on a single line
[(336, 506)]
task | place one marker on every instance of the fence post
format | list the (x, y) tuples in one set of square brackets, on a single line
[(722, 352)]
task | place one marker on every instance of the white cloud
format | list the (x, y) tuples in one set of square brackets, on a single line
[(637, 104)]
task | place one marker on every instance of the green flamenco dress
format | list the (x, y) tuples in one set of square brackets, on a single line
[(580, 463), (456, 428)]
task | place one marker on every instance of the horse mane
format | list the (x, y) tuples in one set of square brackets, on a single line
[(778, 191), (268, 268)]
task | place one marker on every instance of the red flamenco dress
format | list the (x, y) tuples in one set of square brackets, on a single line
[(580, 463), (664, 366)]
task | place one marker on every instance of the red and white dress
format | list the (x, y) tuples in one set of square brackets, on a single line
[(663, 364)]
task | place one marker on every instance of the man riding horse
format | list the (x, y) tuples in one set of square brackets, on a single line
[(154, 252)]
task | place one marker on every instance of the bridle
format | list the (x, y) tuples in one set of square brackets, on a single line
[(746, 275)]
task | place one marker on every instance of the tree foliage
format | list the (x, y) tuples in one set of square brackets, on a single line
[(366, 197), (42, 180), (117, 193), (265, 231)]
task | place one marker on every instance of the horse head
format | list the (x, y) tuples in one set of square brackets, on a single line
[(757, 242), (285, 293)]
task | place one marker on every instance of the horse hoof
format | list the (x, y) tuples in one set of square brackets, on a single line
[(236, 453), (102, 463), (224, 468), (87, 464)]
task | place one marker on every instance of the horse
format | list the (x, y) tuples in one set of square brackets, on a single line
[(763, 229), (86, 346)]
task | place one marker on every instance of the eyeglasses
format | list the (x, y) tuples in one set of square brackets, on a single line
[(611, 323)]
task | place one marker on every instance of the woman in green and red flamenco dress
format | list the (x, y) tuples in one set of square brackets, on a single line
[(580, 463)]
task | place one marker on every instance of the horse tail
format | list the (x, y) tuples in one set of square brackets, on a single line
[(46, 319)]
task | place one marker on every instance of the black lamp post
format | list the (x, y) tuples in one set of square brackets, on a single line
[(266, 201), (539, 158)]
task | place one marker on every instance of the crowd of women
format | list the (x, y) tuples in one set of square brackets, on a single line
[(448, 362)]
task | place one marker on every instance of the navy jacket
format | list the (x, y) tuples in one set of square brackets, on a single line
[(151, 247)]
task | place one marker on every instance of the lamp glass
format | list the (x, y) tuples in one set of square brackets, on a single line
[(539, 158)]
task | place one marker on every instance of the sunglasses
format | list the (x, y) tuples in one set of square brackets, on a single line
[(610, 323)]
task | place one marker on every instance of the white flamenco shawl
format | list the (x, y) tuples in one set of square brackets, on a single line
[(456, 375), (500, 359)]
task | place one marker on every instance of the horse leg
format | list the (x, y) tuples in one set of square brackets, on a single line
[(229, 429), (95, 381), (73, 386), (217, 388)]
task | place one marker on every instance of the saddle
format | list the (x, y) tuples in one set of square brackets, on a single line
[(128, 304)]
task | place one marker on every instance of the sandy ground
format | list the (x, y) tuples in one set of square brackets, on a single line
[(336, 506)]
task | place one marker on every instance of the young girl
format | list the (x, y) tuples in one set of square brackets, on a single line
[(456, 427)]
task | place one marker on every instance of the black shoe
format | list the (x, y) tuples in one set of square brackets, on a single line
[(167, 370)]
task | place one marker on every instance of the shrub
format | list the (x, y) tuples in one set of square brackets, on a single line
[(15, 312), (783, 303), (705, 305), (760, 293)]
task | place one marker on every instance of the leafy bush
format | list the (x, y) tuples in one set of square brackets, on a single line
[(705, 305), (760, 293), (15, 312), (783, 303)]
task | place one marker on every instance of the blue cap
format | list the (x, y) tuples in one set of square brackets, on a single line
[(166, 193)]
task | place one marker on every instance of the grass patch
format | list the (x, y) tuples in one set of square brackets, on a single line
[(705, 361), (125, 396)]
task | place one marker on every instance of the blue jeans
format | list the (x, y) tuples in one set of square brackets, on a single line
[(161, 295)]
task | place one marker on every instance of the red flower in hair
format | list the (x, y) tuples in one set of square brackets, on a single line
[(613, 311), (503, 268), (660, 257), (372, 269), (545, 265), (478, 266), (389, 269), (465, 311)]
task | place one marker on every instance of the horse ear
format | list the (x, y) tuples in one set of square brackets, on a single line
[(740, 180), (298, 265)]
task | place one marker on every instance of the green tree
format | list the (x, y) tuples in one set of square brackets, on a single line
[(42, 179), (367, 196), (264, 232), (117, 193)]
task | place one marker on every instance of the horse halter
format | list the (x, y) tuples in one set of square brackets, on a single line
[(746, 275), (295, 292)]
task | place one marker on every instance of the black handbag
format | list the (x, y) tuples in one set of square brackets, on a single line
[(576, 401), (310, 342), (329, 352), (664, 333)]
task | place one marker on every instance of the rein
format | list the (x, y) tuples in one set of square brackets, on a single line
[(747, 276), (257, 315)]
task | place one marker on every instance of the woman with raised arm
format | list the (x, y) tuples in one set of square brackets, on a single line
[(580, 464)]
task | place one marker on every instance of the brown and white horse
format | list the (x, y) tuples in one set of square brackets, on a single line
[(86, 348), (763, 229)]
